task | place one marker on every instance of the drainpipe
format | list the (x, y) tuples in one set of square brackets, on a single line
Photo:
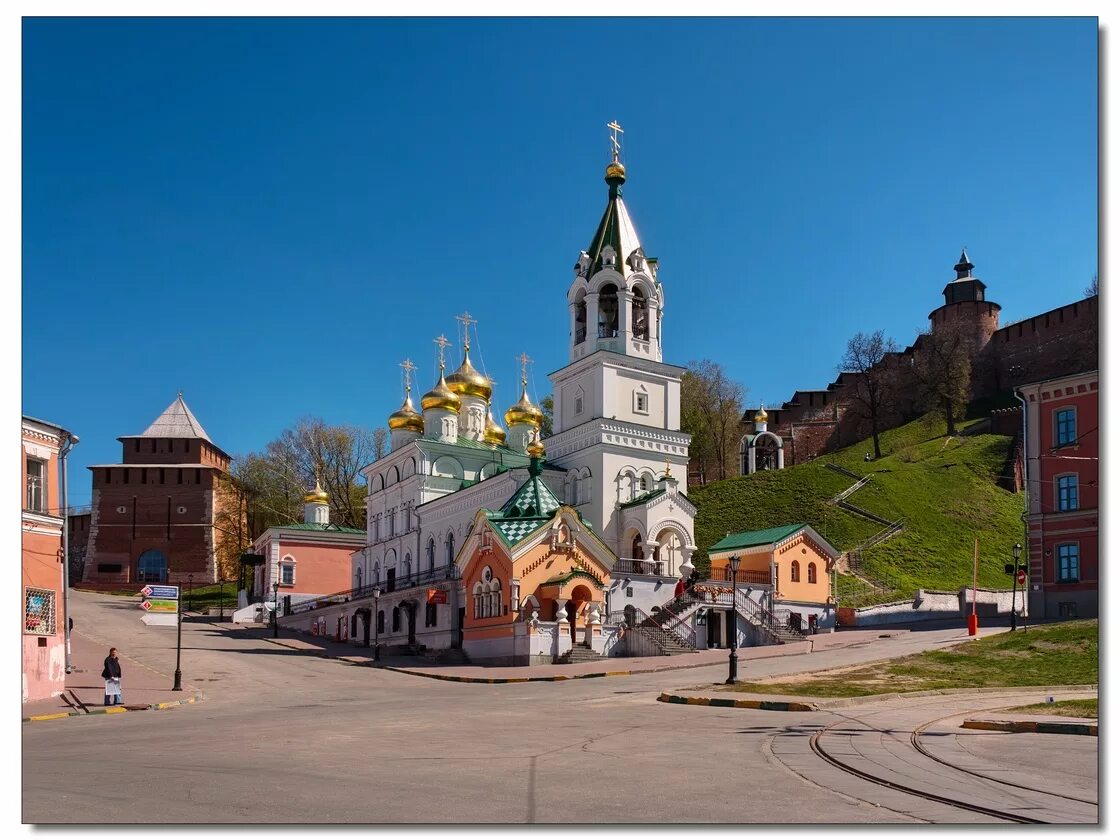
[(69, 440), (1026, 493)]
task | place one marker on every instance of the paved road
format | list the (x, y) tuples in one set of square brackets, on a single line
[(284, 737)]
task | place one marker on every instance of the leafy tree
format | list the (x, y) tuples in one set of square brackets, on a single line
[(873, 378), (276, 480), (943, 368), (711, 408), (546, 408)]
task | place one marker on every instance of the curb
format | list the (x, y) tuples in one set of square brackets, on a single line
[(826, 704), (115, 710), (1041, 727), (488, 680), (728, 703)]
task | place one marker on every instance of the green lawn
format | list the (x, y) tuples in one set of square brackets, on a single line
[(1053, 654), (943, 488), (1062, 708)]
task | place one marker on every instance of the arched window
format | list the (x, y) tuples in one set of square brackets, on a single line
[(795, 571), (151, 567), (496, 599), (450, 548), (478, 591), (396, 619), (581, 321), (608, 311), (812, 573), (377, 573), (407, 565), (640, 314), (645, 484), (359, 576), (431, 554)]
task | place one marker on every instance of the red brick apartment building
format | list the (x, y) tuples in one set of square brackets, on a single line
[(1063, 489)]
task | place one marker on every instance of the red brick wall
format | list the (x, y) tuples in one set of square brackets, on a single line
[(152, 519)]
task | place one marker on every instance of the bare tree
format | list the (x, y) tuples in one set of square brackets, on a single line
[(380, 443), (874, 381), (943, 368), (711, 408), (1094, 287)]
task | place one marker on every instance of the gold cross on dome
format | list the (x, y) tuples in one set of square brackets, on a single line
[(443, 344), (525, 360), (616, 130), (408, 367), (466, 320)]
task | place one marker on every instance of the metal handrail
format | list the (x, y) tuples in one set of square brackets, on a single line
[(418, 578), (639, 619)]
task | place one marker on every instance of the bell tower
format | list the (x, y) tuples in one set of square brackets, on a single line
[(615, 299)]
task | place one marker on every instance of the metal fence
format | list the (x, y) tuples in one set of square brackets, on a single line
[(439, 574)]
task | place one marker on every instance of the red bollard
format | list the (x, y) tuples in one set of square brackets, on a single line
[(973, 624)]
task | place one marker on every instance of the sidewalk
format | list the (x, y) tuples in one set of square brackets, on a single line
[(614, 666), (143, 688)]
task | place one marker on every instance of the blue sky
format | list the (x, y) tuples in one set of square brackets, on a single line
[(271, 214)]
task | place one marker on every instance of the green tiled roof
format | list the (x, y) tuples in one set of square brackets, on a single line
[(514, 530), (526, 510), (642, 499), (746, 539), (310, 526), (533, 498)]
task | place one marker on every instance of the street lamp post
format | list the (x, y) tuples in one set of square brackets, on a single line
[(178, 684), (732, 658), (1016, 551), (221, 599), (190, 592), (276, 610), (376, 625)]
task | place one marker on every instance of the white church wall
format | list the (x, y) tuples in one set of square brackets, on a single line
[(627, 389), (641, 591)]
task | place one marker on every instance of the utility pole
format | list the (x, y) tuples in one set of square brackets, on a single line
[(69, 440)]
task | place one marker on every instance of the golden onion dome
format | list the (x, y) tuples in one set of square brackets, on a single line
[(494, 434), (524, 412), (761, 416), (616, 171), (407, 417), (318, 496), (467, 381), (535, 449), (441, 396)]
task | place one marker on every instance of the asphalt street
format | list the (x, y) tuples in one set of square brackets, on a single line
[(283, 737)]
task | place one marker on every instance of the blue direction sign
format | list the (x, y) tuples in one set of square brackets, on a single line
[(171, 592)]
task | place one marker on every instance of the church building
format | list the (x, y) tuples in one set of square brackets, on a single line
[(511, 553)]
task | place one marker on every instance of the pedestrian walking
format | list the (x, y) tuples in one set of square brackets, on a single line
[(111, 673)]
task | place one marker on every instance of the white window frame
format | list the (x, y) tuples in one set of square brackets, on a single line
[(287, 562), (42, 485), (641, 400)]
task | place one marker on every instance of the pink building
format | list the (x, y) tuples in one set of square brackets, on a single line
[(44, 618), (309, 559)]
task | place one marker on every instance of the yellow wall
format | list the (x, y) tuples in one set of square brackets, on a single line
[(804, 551)]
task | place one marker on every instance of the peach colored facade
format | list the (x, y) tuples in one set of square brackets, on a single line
[(801, 569), (555, 569), (44, 638), (307, 563)]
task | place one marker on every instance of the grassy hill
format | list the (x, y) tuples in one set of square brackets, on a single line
[(943, 488)]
